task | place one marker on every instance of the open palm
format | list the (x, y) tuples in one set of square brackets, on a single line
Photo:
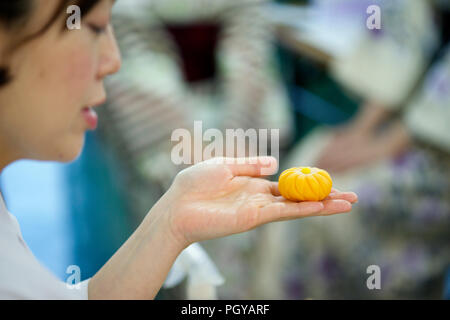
[(218, 198)]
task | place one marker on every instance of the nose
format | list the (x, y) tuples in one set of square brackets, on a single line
[(110, 59)]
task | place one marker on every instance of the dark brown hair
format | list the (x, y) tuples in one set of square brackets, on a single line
[(14, 13)]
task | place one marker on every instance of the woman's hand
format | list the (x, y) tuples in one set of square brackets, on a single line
[(220, 197), (358, 143), (353, 148), (212, 199)]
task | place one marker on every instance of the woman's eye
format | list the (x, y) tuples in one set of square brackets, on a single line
[(97, 30)]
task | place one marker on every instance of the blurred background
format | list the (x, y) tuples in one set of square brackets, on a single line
[(370, 105)]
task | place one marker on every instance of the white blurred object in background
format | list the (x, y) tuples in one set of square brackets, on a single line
[(201, 272)]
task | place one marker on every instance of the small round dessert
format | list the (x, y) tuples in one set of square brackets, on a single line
[(305, 184)]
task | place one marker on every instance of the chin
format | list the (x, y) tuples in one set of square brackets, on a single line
[(69, 151)]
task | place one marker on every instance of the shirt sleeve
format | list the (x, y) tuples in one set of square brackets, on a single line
[(23, 276)]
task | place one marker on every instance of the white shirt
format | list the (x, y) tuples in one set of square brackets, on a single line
[(22, 276)]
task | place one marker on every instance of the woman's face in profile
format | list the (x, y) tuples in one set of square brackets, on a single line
[(55, 77)]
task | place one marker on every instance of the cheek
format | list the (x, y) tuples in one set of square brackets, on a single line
[(64, 90), (63, 80), (79, 74), (65, 85)]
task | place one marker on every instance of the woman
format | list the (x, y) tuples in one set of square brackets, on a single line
[(50, 78)]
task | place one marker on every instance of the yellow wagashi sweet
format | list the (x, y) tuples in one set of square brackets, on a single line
[(305, 184)]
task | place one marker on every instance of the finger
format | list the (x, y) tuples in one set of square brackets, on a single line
[(348, 196), (283, 210), (335, 194), (252, 166), (335, 206), (274, 189)]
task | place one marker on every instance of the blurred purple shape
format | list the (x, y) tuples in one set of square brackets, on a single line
[(413, 258), (328, 267), (368, 194), (408, 162), (439, 82), (294, 288), (428, 211)]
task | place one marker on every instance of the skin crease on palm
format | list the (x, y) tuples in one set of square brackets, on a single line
[(62, 73)]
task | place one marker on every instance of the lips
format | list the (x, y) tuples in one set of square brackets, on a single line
[(91, 118)]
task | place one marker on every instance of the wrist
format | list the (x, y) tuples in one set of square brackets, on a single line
[(161, 219)]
